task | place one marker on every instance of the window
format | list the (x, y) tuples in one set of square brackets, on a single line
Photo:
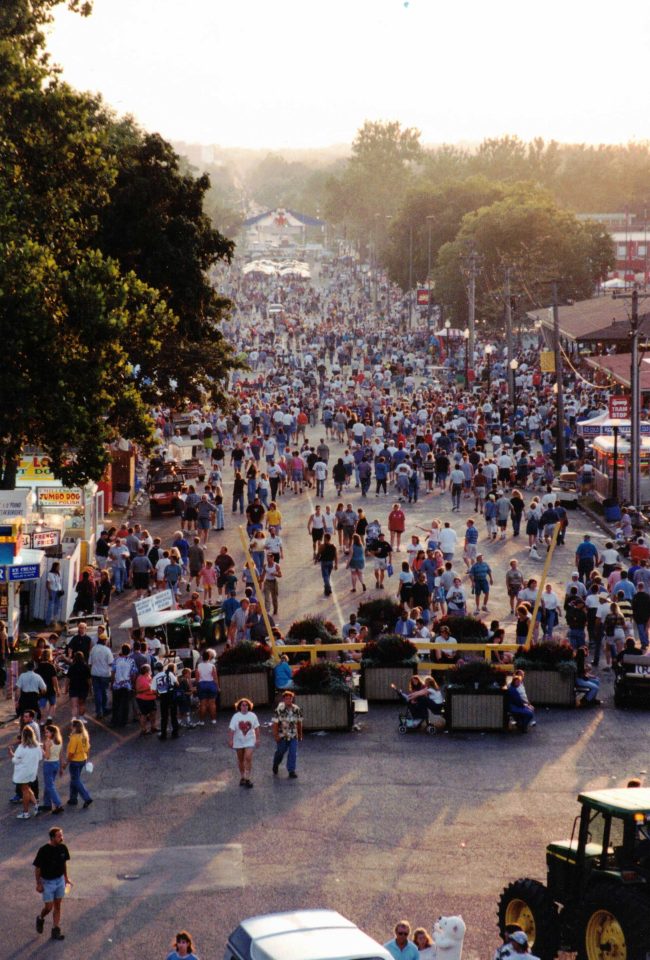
[(621, 251), (641, 250)]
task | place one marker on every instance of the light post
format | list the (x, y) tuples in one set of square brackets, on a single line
[(489, 350), (430, 304), (447, 326), (466, 339), (513, 370), (410, 275), (615, 425)]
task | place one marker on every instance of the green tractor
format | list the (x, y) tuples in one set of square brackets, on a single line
[(597, 896)]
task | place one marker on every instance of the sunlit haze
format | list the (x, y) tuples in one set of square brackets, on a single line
[(257, 73)]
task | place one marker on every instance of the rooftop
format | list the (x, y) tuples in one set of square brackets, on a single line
[(619, 800), (585, 316)]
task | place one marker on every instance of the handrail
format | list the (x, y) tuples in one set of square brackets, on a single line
[(313, 649)]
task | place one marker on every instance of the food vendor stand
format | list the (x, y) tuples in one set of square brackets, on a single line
[(603, 448)]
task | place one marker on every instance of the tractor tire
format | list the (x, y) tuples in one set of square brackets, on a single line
[(154, 513), (528, 903), (613, 923)]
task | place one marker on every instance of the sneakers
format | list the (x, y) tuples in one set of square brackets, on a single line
[(87, 802), (275, 769), (23, 816), (72, 803), (56, 934), (40, 923), (293, 775), (58, 810), (249, 784)]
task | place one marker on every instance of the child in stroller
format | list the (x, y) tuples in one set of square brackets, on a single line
[(424, 698)]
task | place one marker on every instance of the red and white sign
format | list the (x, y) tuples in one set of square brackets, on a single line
[(423, 297), (45, 538), (59, 497), (619, 408)]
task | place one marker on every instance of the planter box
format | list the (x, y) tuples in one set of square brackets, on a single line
[(549, 688), (256, 686), (376, 681), (326, 711), (476, 711)]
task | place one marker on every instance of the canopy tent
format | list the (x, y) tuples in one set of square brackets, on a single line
[(283, 268), (453, 332), (602, 425)]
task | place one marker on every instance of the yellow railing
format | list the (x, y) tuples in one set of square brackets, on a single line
[(316, 649)]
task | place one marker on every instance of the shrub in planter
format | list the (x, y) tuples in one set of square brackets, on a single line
[(464, 629), (244, 658), (547, 656), (322, 678), (475, 676), (312, 630), (389, 651), (380, 615)]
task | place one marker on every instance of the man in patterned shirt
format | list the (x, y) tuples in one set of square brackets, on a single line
[(287, 730)]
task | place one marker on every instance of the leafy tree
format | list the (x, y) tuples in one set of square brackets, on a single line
[(527, 232), (104, 248), (375, 180)]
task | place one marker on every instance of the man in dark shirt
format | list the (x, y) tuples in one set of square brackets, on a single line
[(381, 553), (51, 872), (328, 559), (80, 641), (641, 614), (255, 515), (223, 562)]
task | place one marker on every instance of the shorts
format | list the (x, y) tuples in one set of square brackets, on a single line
[(470, 551), (317, 535), (204, 523), (207, 690), (48, 698), (190, 513), (380, 563), (141, 581), (53, 889), (296, 476), (504, 474), (481, 586), (146, 706)]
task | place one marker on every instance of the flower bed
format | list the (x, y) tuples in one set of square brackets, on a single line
[(389, 659), (245, 670), (324, 694), (550, 674)]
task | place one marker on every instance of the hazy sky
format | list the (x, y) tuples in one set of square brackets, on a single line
[(307, 73)]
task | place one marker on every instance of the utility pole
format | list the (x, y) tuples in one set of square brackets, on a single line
[(430, 302), (471, 312), (560, 452), (509, 345), (635, 411), (410, 293)]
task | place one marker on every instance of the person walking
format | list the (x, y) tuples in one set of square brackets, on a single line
[(54, 588), (328, 559), (287, 731), (243, 738), (271, 574), (77, 758), (357, 563), (101, 664), (207, 681), (165, 684), (51, 874), (26, 758), (52, 745)]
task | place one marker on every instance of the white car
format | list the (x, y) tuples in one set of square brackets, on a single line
[(302, 935)]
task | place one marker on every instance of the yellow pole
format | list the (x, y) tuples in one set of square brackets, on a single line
[(258, 592), (542, 582)]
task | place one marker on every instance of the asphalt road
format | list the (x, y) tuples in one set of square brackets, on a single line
[(379, 826)]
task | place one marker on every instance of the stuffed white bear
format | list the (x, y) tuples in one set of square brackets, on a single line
[(448, 936)]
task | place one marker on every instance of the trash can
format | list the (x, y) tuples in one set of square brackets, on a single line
[(612, 510)]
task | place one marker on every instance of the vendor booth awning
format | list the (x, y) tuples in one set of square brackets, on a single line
[(602, 425)]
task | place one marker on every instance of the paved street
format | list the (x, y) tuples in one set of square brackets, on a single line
[(378, 825)]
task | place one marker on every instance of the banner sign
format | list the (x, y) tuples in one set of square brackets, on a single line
[(164, 600), (27, 571), (423, 297), (547, 361), (619, 408), (57, 498), (15, 503), (45, 538), (34, 470)]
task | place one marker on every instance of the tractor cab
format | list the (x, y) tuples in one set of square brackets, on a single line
[(597, 896)]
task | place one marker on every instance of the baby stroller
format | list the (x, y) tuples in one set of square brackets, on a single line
[(409, 723)]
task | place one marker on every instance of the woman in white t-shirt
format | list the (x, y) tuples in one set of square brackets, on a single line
[(243, 737)]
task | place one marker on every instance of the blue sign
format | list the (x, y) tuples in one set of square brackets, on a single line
[(3, 574), (26, 571)]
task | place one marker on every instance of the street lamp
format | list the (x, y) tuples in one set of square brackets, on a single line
[(513, 369), (447, 326), (430, 219), (489, 350), (615, 425), (466, 338)]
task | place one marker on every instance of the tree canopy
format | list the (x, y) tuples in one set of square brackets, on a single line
[(105, 306)]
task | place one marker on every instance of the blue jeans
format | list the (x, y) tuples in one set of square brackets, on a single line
[(642, 630), (50, 773), (282, 747), (576, 637), (76, 786), (53, 608), (219, 518), (100, 692), (326, 571), (238, 499), (119, 577), (252, 489), (590, 687)]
